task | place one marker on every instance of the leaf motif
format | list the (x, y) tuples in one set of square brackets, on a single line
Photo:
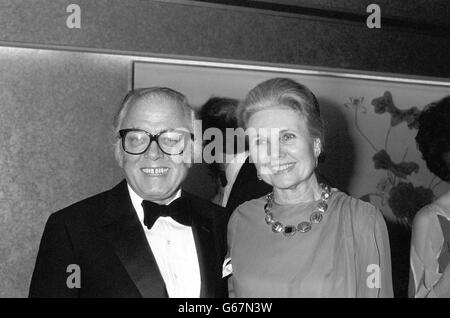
[(382, 160)]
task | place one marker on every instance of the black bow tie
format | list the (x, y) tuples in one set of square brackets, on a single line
[(177, 210)]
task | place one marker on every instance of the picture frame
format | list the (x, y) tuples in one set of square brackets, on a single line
[(370, 121)]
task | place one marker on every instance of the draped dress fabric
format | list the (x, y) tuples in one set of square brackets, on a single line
[(338, 257), (429, 261)]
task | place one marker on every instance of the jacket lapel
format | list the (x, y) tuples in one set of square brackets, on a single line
[(246, 176), (246, 187), (202, 228), (130, 243)]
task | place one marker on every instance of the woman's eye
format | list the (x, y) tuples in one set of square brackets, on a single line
[(287, 137)]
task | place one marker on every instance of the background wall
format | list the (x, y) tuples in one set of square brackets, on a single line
[(56, 113), (56, 107), (173, 27)]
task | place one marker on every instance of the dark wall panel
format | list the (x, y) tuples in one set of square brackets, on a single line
[(228, 33)]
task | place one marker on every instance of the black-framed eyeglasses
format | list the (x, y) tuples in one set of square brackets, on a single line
[(171, 142)]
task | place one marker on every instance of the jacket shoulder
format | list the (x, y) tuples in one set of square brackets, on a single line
[(85, 211), (206, 208)]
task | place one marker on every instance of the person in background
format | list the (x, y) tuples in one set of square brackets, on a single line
[(235, 176), (146, 237), (303, 239), (430, 241)]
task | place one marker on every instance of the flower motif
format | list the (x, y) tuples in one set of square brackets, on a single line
[(356, 103), (384, 185), (385, 104), (406, 200), (411, 116), (382, 160)]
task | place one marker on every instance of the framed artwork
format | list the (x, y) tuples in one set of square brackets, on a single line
[(371, 122)]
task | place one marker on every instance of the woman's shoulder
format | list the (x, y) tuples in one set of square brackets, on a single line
[(425, 216), (354, 205), (362, 213), (250, 206), (245, 211)]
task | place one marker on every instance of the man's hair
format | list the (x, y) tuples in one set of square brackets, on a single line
[(433, 137), (219, 112), (164, 93)]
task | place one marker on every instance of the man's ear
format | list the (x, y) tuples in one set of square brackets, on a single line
[(118, 154)]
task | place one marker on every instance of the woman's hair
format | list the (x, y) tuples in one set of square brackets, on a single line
[(433, 137), (283, 92)]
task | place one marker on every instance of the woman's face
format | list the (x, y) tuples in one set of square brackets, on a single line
[(281, 147)]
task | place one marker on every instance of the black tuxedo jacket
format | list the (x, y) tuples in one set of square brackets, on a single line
[(246, 187), (104, 237)]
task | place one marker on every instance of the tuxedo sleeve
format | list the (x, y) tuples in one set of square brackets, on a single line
[(50, 276)]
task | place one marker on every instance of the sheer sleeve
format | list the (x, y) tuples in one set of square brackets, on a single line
[(375, 273), (425, 248)]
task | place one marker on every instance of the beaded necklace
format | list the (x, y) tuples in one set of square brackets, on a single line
[(303, 227)]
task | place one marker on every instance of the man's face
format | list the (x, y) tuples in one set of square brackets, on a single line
[(154, 175)]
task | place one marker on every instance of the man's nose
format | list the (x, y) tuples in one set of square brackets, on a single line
[(153, 152)]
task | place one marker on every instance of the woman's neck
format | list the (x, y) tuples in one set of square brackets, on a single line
[(306, 191)]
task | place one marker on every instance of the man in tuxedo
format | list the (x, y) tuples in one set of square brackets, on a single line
[(145, 237), (237, 176)]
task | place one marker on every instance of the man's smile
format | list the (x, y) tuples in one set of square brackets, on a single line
[(156, 171)]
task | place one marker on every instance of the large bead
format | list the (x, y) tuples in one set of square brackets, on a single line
[(289, 230), (304, 227), (316, 217), (269, 218), (322, 206), (325, 195), (277, 227)]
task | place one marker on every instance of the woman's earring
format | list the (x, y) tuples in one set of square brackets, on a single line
[(317, 150), (317, 147), (259, 177)]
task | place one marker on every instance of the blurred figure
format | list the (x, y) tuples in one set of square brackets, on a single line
[(430, 242), (304, 239), (235, 176)]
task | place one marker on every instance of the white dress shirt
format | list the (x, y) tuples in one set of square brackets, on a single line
[(175, 253), (234, 165)]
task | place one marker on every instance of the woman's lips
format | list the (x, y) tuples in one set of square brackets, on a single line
[(283, 168)]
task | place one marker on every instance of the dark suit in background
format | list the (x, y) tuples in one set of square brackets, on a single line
[(246, 187)]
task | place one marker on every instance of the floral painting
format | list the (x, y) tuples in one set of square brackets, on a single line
[(395, 190)]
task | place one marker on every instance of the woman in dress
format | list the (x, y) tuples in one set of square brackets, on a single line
[(304, 239), (430, 242)]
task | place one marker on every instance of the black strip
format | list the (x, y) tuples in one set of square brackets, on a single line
[(338, 15)]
